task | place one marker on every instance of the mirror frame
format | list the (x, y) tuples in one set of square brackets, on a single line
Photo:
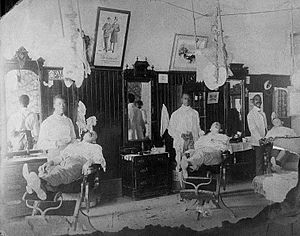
[(131, 75), (20, 61)]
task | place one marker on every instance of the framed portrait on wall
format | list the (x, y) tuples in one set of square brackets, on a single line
[(183, 52), (110, 37), (251, 95), (212, 97)]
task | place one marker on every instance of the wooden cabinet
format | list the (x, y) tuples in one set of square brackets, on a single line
[(14, 185), (145, 175)]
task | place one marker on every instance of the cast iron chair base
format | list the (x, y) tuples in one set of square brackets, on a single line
[(206, 188), (55, 205)]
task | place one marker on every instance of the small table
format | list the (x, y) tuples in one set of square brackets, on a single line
[(242, 160)]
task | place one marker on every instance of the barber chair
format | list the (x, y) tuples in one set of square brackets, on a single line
[(205, 184), (55, 205)]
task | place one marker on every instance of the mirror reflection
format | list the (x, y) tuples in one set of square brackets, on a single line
[(23, 109), (139, 110), (235, 113)]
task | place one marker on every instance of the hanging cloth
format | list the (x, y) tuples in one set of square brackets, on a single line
[(164, 120), (211, 61)]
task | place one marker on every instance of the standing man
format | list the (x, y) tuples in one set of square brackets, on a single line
[(136, 124), (57, 131), (184, 122), (257, 123), (106, 33), (115, 29), (23, 127)]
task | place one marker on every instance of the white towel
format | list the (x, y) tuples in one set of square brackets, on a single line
[(164, 119)]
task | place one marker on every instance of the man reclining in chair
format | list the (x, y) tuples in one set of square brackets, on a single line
[(208, 150), (280, 157), (69, 166)]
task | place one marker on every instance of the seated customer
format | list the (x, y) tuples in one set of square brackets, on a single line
[(74, 160), (208, 149), (280, 157)]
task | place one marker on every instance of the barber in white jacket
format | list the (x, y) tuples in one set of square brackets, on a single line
[(257, 124), (183, 121)]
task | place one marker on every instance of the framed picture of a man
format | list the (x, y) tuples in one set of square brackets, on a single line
[(110, 37)]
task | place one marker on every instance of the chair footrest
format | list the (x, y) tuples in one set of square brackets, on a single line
[(189, 195), (67, 208), (51, 197)]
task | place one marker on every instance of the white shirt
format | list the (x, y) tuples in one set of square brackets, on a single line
[(257, 123), (56, 128), (22, 120), (185, 119), (136, 124)]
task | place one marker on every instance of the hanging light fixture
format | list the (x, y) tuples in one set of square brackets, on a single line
[(215, 70)]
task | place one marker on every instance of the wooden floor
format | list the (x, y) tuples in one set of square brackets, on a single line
[(113, 216)]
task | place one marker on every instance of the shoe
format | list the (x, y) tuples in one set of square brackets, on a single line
[(33, 183), (26, 175)]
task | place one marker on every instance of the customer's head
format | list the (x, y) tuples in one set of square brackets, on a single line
[(139, 104), (277, 122), (59, 104), (90, 136), (131, 98), (186, 99), (215, 127), (24, 100), (257, 100)]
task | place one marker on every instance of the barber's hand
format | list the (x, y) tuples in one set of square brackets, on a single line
[(43, 168), (87, 168)]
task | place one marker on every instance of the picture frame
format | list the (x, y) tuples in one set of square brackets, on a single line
[(212, 97), (250, 101), (280, 102), (110, 37), (183, 51)]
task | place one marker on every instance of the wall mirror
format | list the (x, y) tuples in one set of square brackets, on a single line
[(137, 103), (139, 121), (236, 112), (23, 102)]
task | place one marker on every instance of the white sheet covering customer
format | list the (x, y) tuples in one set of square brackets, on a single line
[(279, 155)]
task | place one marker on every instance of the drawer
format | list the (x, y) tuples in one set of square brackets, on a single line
[(143, 183), (142, 171)]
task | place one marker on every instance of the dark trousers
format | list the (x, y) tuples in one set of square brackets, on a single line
[(259, 160)]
